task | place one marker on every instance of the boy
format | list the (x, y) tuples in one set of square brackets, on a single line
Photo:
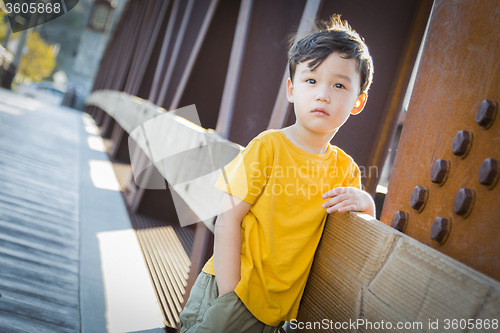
[(281, 188)]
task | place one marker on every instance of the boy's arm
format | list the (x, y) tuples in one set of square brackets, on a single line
[(227, 247), (344, 199)]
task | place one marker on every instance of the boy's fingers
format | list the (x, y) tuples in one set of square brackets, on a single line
[(347, 208), (341, 207), (335, 200), (335, 192)]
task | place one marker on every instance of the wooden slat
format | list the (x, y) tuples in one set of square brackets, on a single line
[(39, 217), (123, 174), (167, 261)]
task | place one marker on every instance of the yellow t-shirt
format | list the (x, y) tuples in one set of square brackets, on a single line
[(280, 233)]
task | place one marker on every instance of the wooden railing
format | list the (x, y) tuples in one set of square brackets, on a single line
[(168, 135), (365, 270)]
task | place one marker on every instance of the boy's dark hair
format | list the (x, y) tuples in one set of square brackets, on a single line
[(336, 36)]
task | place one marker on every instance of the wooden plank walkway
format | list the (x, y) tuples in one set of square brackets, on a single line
[(39, 217)]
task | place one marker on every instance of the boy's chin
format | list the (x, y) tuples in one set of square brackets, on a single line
[(322, 130)]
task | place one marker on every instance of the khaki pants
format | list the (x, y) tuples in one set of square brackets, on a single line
[(205, 312)]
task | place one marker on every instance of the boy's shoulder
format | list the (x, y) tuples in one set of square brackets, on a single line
[(342, 156), (268, 135), (267, 138)]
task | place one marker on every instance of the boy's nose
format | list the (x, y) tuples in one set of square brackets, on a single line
[(322, 96)]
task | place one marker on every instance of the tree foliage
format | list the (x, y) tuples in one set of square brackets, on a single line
[(4, 25), (39, 61)]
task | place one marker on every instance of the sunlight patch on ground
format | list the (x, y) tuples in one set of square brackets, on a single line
[(24, 103), (90, 126), (96, 143), (92, 129), (10, 110), (103, 176), (131, 304)]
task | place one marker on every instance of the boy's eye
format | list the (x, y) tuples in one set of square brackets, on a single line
[(311, 81), (339, 85)]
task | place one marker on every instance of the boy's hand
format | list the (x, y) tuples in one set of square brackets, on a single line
[(344, 199)]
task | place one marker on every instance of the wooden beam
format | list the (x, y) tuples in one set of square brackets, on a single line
[(194, 54), (189, 31), (394, 104), (282, 107), (251, 98), (144, 39), (165, 51), (175, 52), (209, 59), (142, 69), (233, 72)]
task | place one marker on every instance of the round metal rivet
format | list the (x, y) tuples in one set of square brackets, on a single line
[(464, 201), (419, 197), (486, 113), (489, 171), (441, 229), (400, 221), (462, 143), (440, 171)]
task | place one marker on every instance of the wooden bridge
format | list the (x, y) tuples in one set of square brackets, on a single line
[(432, 258)]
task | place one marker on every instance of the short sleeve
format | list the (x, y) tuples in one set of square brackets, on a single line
[(353, 178), (246, 175)]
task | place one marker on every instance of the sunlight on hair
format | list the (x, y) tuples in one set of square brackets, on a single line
[(103, 176), (338, 24)]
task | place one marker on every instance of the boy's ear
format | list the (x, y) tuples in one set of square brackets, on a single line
[(360, 103), (289, 90)]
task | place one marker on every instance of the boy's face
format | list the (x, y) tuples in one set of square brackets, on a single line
[(324, 98)]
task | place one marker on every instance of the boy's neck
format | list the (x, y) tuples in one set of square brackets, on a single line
[(312, 142)]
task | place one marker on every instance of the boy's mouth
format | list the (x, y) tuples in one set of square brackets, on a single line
[(320, 112)]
